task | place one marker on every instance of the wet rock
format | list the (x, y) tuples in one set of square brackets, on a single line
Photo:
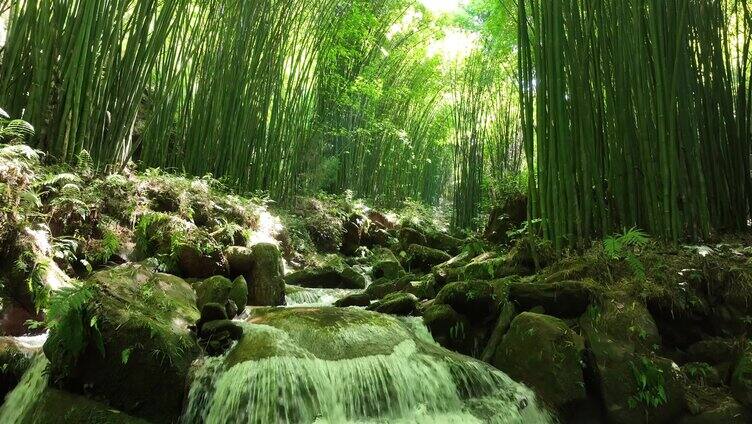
[(137, 357), (475, 299), (333, 274), (386, 264), (217, 336), (636, 386), (396, 304), (357, 299), (266, 283), (508, 312), (13, 364), (424, 288), (453, 330), (545, 354), (566, 299), (424, 258)]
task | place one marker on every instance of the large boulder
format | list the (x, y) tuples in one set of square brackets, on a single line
[(424, 258), (454, 331), (545, 354), (504, 218), (335, 273), (123, 337), (266, 283), (636, 386), (566, 299), (384, 286), (444, 242), (239, 260), (352, 234)]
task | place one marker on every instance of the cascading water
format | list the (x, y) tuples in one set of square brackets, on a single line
[(335, 365), (304, 296)]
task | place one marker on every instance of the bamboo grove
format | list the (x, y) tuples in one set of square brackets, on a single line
[(636, 113)]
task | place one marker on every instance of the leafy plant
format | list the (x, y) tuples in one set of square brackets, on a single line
[(623, 246), (651, 391)]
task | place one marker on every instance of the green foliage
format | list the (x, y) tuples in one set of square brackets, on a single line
[(72, 326), (650, 384), (623, 247)]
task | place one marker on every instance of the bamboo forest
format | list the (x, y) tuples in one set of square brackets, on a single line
[(375, 211)]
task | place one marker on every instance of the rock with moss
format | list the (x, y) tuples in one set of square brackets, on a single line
[(423, 258), (266, 283), (123, 337), (442, 241), (396, 304), (741, 379), (187, 249), (565, 299), (635, 385), (334, 273), (221, 290), (13, 364), (239, 260), (545, 354), (384, 286), (55, 406), (723, 410), (352, 234), (454, 331), (385, 264), (475, 299), (408, 236), (357, 299)]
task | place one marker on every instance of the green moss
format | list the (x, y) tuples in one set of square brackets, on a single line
[(59, 407)]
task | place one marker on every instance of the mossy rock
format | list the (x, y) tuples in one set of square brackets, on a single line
[(266, 285), (219, 290), (566, 299), (334, 274), (424, 258), (741, 379), (484, 269), (453, 330), (444, 242), (384, 286), (137, 357), (635, 385), (408, 236), (13, 364), (357, 299), (475, 299), (545, 354), (239, 260), (385, 264), (727, 411), (396, 304), (60, 407)]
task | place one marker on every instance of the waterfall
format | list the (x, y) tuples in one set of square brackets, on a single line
[(389, 371), (26, 393)]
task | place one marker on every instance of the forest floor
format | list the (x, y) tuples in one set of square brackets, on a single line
[(628, 331)]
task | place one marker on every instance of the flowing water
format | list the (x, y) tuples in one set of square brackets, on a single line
[(304, 296), (334, 365)]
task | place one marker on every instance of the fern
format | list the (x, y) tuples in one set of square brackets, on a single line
[(623, 246)]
